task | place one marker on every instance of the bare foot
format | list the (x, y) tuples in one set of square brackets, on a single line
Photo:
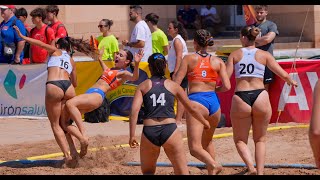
[(74, 154), (251, 172), (217, 168), (71, 162), (83, 148)]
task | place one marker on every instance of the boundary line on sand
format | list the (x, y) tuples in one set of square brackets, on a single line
[(223, 135)]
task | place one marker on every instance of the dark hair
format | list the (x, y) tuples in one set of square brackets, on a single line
[(250, 32), (263, 7), (53, 9), (129, 54), (69, 43), (137, 8), (129, 57), (39, 12), (21, 12), (108, 22), (157, 64), (153, 18), (181, 30), (203, 38)]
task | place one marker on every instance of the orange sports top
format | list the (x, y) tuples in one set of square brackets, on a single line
[(203, 72), (109, 76)]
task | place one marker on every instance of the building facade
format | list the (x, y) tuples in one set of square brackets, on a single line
[(82, 20)]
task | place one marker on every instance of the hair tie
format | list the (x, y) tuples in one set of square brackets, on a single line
[(208, 40)]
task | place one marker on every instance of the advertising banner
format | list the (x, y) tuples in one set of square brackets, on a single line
[(289, 104), (22, 90)]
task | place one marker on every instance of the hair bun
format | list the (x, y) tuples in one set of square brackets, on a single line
[(255, 31), (210, 41), (110, 23)]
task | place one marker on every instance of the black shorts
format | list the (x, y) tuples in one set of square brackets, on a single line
[(249, 96), (62, 84), (159, 134), (184, 83), (268, 76)]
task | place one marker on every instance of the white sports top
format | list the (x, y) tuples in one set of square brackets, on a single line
[(62, 61), (172, 58), (248, 66)]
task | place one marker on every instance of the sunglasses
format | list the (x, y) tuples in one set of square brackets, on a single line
[(100, 26)]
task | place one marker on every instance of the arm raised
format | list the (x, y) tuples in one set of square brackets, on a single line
[(102, 64), (51, 49), (126, 75)]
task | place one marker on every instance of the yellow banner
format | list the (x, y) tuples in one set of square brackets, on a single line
[(125, 90), (88, 73)]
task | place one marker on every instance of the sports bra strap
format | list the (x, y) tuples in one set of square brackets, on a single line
[(203, 55)]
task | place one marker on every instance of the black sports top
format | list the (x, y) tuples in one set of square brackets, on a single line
[(158, 101)]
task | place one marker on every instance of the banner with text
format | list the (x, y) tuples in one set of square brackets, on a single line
[(293, 104), (22, 90)]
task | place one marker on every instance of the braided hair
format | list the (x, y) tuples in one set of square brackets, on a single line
[(203, 38)]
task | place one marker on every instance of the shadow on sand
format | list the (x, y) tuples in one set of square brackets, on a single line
[(33, 163)]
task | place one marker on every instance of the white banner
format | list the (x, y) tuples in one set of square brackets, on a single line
[(22, 89)]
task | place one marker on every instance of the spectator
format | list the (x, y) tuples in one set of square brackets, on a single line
[(107, 40), (210, 19), (22, 14), (14, 10), (11, 46), (160, 42), (41, 32), (189, 17), (141, 35), (265, 40), (178, 49), (59, 29)]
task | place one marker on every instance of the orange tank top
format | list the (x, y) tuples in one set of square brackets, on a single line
[(109, 76), (203, 72)]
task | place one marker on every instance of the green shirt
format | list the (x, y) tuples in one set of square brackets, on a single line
[(110, 44), (159, 39)]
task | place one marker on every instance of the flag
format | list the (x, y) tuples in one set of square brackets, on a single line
[(94, 42), (249, 14)]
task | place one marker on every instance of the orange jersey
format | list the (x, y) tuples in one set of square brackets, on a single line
[(109, 76), (203, 72)]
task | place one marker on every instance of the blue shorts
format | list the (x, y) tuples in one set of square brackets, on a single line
[(207, 99), (96, 90)]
